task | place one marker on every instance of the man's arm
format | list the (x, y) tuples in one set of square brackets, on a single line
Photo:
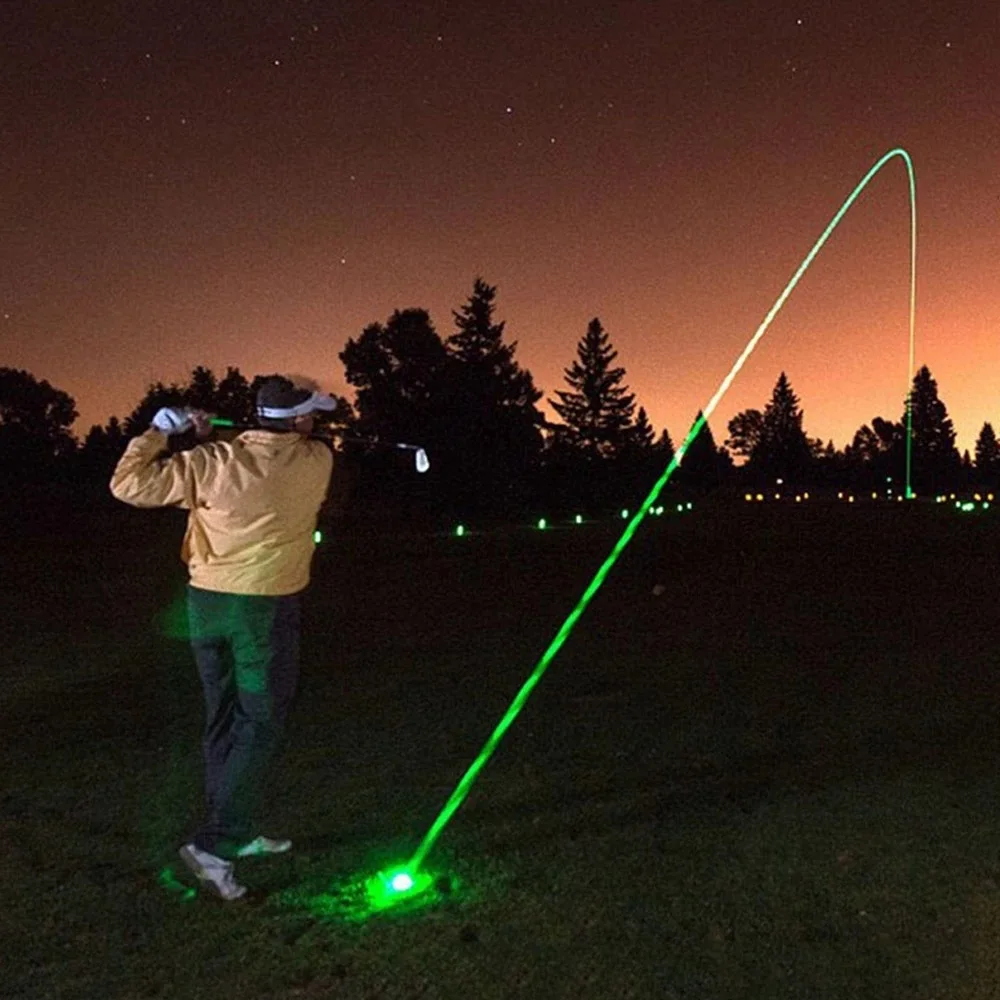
[(146, 476)]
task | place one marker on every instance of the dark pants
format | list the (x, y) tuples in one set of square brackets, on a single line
[(247, 652)]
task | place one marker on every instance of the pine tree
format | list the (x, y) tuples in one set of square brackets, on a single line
[(598, 408), (704, 466), (495, 440), (987, 456), (783, 451), (935, 461), (641, 435)]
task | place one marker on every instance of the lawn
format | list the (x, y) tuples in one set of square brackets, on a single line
[(776, 779)]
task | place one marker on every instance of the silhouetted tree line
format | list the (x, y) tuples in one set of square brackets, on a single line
[(467, 400)]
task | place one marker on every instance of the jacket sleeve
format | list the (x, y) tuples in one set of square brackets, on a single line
[(146, 476)]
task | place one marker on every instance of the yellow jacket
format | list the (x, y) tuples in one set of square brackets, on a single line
[(253, 503)]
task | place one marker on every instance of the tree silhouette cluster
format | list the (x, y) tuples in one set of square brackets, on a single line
[(468, 401)]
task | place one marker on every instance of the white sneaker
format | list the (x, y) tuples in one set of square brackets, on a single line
[(263, 845), (214, 873)]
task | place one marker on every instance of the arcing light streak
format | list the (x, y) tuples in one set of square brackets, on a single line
[(465, 784)]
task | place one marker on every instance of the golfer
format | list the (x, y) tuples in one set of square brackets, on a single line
[(252, 504)]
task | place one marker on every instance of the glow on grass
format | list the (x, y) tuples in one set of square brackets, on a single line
[(395, 886), (458, 796)]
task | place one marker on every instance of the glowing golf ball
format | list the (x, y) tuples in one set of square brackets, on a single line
[(402, 882)]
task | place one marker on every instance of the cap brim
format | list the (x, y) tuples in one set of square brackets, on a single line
[(316, 401), (323, 401)]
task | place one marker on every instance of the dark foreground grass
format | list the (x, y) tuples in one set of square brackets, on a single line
[(777, 779)]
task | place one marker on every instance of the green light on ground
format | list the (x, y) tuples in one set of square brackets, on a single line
[(173, 885), (459, 531), (396, 886), (317, 537)]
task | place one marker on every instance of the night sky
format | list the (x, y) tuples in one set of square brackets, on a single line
[(253, 183)]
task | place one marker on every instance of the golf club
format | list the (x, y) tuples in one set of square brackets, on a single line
[(420, 460)]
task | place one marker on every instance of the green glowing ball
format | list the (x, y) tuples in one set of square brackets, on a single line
[(542, 524), (402, 882), (460, 530), (317, 537), (624, 513), (578, 519)]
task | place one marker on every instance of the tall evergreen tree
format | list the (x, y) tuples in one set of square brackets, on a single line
[(598, 409), (783, 451), (495, 438), (987, 456), (935, 459)]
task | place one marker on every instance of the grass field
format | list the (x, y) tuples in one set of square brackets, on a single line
[(777, 779)]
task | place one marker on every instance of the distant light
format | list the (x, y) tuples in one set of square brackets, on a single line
[(760, 497), (690, 505), (578, 519), (748, 496), (317, 537), (798, 498), (659, 510), (680, 507), (542, 524), (624, 513), (460, 530), (805, 496)]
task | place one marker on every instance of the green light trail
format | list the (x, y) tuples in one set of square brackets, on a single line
[(461, 791)]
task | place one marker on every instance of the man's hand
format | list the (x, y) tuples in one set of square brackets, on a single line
[(171, 420), (202, 421)]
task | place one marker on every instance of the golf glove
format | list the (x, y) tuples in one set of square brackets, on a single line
[(173, 420)]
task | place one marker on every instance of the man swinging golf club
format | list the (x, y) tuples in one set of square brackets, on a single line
[(253, 504)]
